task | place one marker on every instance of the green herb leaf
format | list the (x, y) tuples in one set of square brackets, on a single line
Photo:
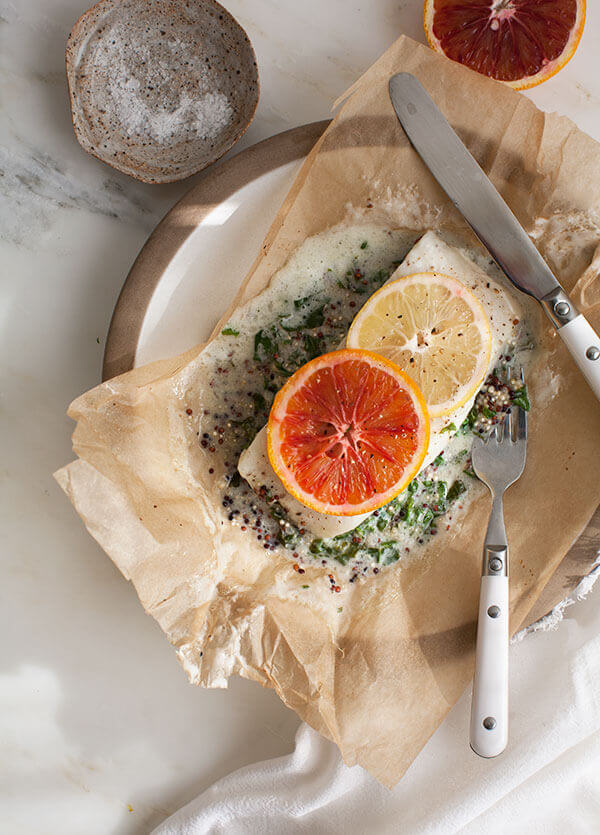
[(315, 318), (487, 412), (520, 398), (471, 417), (382, 275), (450, 427), (264, 347), (270, 385), (230, 332), (248, 429), (305, 586), (276, 511), (282, 369), (425, 517), (289, 540), (260, 404), (287, 324), (388, 553), (235, 480), (312, 346), (455, 491), (364, 245), (406, 513)]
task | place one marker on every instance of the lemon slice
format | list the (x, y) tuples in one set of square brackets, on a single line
[(435, 330)]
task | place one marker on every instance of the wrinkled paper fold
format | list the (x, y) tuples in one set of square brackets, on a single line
[(380, 676)]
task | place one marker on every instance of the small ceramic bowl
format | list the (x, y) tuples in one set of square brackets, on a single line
[(160, 88)]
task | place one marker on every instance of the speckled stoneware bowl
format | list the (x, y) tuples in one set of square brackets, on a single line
[(160, 88)]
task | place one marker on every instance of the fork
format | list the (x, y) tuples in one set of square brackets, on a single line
[(498, 462)]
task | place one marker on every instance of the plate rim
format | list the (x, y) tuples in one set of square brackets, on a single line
[(169, 236)]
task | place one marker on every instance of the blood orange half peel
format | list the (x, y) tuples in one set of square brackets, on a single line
[(519, 42)]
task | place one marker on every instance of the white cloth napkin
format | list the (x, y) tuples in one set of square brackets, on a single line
[(548, 780)]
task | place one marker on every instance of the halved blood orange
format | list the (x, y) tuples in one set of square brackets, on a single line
[(347, 432), (520, 42)]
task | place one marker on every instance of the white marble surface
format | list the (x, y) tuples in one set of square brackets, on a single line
[(99, 730)]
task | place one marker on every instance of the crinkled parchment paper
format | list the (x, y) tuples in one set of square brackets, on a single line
[(380, 676)]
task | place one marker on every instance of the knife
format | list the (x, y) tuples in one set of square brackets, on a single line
[(489, 216)]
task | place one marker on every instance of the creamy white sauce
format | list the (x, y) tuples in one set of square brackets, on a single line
[(430, 254), (317, 267)]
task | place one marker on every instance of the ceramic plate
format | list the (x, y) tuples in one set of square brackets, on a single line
[(217, 230)]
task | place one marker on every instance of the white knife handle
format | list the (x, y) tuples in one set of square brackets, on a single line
[(584, 344), (489, 708)]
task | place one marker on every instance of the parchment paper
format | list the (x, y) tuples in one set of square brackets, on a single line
[(380, 676)]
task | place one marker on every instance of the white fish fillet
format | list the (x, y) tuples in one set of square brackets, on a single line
[(430, 254)]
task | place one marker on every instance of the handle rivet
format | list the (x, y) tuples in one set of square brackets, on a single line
[(593, 353), (495, 564), (562, 308), (489, 723), (493, 611)]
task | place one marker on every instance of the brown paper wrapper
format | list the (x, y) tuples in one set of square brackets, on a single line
[(379, 677)]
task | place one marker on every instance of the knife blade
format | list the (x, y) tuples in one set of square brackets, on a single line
[(473, 194)]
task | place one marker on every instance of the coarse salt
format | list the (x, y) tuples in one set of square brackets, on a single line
[(160, 90)]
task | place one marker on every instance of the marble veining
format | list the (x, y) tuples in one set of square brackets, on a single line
[(34, 185)]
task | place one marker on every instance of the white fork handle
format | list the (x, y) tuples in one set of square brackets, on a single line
[(489, 708), (584, 344)]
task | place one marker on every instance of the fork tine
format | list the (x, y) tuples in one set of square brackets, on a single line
[(521, 424), (507, 427), (521, 415)]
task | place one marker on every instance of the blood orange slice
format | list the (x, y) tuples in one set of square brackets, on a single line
[(520, 42), (347, 432)]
